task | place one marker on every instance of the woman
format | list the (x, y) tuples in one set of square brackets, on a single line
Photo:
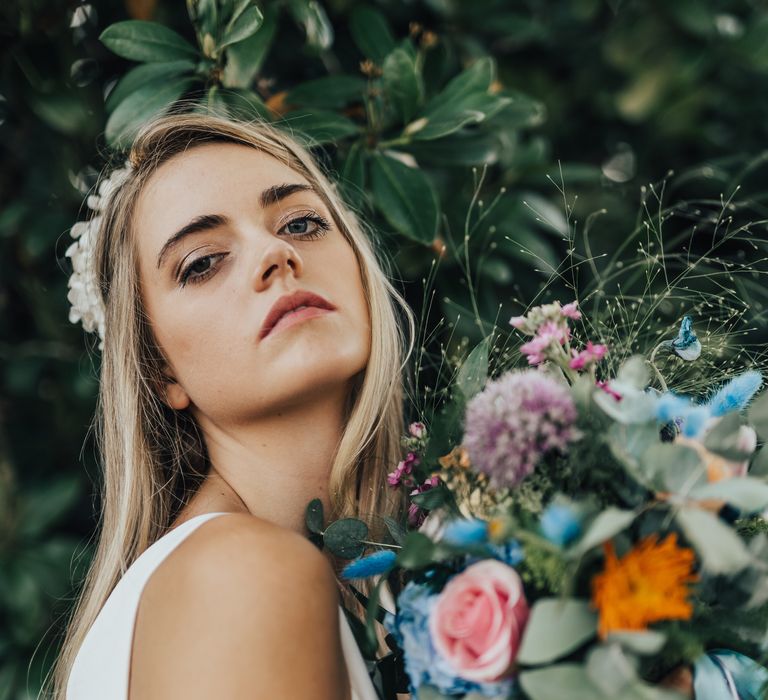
[(217, 399)]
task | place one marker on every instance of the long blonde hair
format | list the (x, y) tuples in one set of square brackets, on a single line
[(153, 457)]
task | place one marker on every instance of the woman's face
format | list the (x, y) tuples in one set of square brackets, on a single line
[(246, 245)]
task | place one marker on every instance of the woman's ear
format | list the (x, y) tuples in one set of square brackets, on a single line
[(172, 393)]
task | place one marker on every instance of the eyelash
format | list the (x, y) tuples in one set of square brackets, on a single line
[(323, 226)]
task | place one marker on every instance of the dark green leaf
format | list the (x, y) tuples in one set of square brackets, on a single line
[(141, 75), (245, 104), (434, 498), (314, 515), (343, 537), (147, 102), (138, 40), (403, 83), (318, 126), (245, 26), (328, 92), (473, 372), (311, 15), (371, 32), (460, 148), (396, 530), (405, 197), (45, 504), (244, 59), (353, 175), (447, 119), (417, 551), (475, 79)]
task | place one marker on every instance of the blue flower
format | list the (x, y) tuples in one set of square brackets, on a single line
[(736, 394), (461, 532), (560, 524), (424, 666), (511, 553), (376, 563), (689, 417), (686, 345)]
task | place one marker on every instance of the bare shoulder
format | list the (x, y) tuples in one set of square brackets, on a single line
[(240, 609)]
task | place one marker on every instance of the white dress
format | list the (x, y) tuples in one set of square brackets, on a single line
[(101, 667)]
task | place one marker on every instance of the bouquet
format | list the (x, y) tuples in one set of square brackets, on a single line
[(572, 535)]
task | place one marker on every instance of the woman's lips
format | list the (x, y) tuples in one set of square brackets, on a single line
[(294, 317)]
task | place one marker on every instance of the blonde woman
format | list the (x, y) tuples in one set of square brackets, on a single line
[(252, 357)]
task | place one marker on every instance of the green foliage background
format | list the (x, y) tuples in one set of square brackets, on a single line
[(614, 149)]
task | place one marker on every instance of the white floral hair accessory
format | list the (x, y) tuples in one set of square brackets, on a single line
[(84, 294)]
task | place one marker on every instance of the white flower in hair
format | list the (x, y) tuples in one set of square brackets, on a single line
[(84, 294)]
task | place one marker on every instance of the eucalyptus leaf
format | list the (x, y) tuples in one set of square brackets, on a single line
[(672, 467), (145, 103), (725, 438), (314, 516), (757, 415), (343, 537), (561, 681), (405, 197), (139, 40), (605, 526), (721, 550), (748, 494), (646, 642), (556, 628)]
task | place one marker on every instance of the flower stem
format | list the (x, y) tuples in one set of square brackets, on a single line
[(382, 544), (652, 362)]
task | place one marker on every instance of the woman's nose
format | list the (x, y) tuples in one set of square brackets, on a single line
[(278, 260)]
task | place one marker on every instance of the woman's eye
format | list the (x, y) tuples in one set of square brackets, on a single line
[(202, 268)]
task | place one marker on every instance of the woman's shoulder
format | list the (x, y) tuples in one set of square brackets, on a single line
[(226, 598)]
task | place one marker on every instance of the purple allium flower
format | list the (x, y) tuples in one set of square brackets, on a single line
[(514, 421)]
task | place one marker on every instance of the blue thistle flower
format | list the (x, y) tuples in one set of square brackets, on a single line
[(686, 345), (736, 394), (376, 563), (560, 524), (462, 531)]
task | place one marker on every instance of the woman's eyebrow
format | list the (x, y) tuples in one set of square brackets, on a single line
[(206, 222)]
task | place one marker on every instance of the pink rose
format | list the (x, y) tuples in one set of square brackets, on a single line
[(478, 620)]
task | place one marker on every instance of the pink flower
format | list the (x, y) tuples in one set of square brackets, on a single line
[(607, 389), (549, 335), (571, 311), (478, 621), (416, 514), (417, 430), (517, 321), (592, 353), (403, 468)]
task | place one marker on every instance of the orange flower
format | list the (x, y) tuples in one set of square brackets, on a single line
[(647, 584)]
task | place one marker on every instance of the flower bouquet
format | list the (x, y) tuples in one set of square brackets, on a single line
[(578, 536)]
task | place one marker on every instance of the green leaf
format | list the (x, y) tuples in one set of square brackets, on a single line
[(244, 26), (605, 526), (759, 465), (244, 59), (671, 467), (746, 493), (45, 504), (318, 28), (353, 175), (417, 551), (403, 83), (757, 415), (560, 681), (318, 126), (555, 628), (141, 75), (205, 16), (475, 79), (396, 530), (245, 104), (144, 104), (447, 119), (315, 518), (434, 498), (460, 148), (721, 550), (405, 197), (473, 372), (647, 642), (138, 40), (371, 32), (725, 438), (328, 92), (343, 537)]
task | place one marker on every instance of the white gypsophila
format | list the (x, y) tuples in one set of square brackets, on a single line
[(84, 296)]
